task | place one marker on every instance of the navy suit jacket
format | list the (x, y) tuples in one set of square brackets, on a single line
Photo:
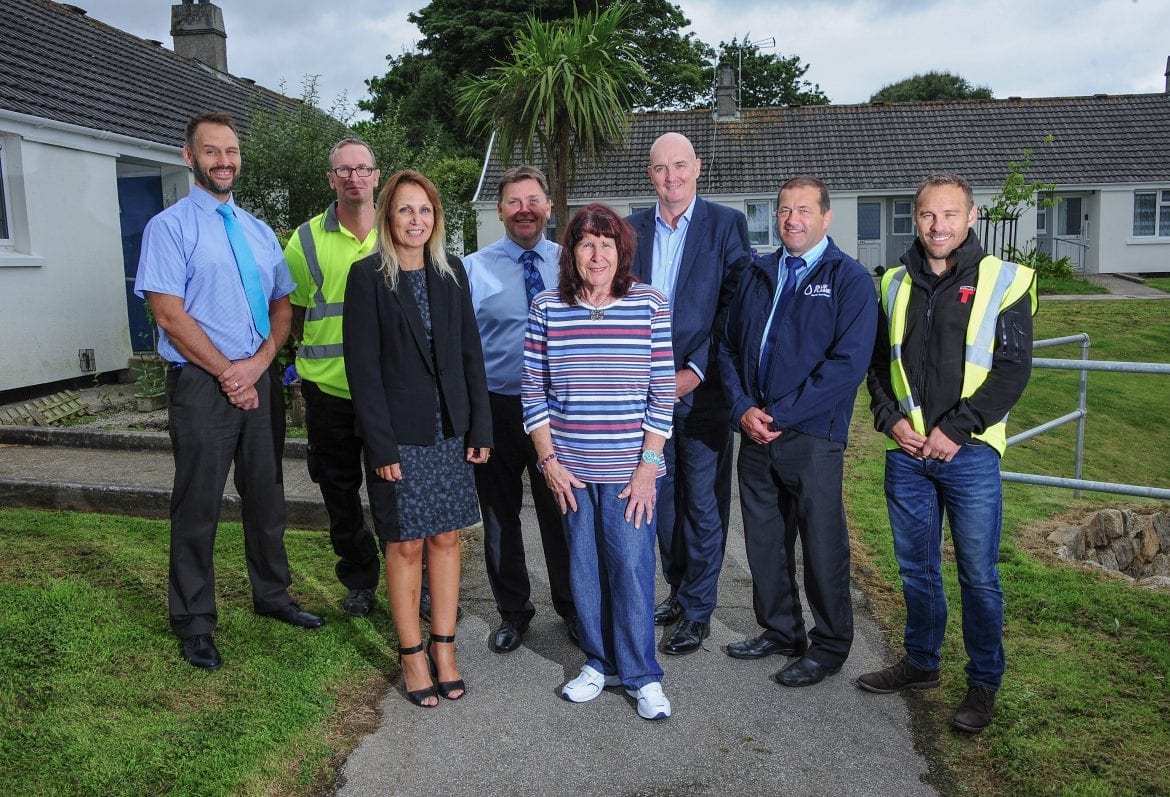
[(714, 254)]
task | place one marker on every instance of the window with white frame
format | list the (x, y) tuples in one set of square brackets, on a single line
[(761, 223), (901, 220), (1151, 213)]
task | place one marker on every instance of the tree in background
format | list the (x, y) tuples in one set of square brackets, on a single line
[(285, 157), (565, 92), (466, 38), (931, 86), (769, 80)]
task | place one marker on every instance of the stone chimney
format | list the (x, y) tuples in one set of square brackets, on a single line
[(199, 32), (726, 102)]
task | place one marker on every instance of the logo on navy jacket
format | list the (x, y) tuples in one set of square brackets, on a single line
[(823, 290), (965, 293)]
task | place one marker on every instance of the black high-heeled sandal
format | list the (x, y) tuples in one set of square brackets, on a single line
[(419, 695), (445, 687)]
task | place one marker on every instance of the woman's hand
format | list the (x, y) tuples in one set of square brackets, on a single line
[(642, 492), (478, 456), (390, 473), (561, 482)]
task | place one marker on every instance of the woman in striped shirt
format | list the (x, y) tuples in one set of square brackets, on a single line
[(598, 396)]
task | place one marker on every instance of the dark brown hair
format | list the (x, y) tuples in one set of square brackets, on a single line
[(211, 118), (600, 220)]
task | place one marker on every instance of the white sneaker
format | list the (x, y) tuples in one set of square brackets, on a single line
[(652, 703), (588, 685)]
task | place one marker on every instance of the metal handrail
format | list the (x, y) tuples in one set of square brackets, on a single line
[(1083, 365)]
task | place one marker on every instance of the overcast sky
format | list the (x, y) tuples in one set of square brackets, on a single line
[(1028, 48)]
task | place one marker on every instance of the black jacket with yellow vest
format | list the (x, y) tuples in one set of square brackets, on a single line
[(933, 350)]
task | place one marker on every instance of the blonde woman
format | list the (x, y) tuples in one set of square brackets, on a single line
[(416, 374)]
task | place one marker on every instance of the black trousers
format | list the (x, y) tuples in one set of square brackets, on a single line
[(208, 436), (790, 487), (335, 464), (499, 484)]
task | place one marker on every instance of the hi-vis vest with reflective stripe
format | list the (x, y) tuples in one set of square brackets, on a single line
[(1008, 283), (319, 358)]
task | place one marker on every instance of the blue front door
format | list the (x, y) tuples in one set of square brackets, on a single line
[(139, 198)]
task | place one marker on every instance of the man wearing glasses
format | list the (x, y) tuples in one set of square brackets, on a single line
[(319, 255)]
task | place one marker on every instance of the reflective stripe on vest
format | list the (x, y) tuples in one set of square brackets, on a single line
[(1009, 283), (320, 309)]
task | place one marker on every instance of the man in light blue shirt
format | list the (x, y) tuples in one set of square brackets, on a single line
[(202, 259), (503, 277)]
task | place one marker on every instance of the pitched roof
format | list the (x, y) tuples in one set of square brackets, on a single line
[(1103, 139), (57, 63)]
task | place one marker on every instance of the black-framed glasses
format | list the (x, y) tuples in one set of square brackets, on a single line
[(345, 171)]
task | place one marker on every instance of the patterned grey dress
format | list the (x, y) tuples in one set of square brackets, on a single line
[(437, 491)]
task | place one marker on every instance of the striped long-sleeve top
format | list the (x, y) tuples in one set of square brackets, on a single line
[(599, 384)]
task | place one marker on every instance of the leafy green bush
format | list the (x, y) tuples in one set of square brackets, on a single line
[(1045, 266)]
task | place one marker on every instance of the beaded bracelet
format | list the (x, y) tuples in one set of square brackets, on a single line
[(540, 465)]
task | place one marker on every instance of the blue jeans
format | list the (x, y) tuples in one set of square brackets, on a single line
[(970, 490), (611, 567)]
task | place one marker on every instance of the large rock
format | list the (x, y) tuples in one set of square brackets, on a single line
[(1147, 544), (1155, 582), (1107, 558), (1122, 548), (1072, 539), (1106, 525), (1161, 523)]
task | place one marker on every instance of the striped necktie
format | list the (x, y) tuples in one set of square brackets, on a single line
[(532, 279)]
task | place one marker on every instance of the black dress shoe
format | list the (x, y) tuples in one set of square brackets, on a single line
[(509, 636), (804, 672), (687, 638), (293, 614), (668, 612), (760, 646), (571, 629), (359, 602), (199, 651)]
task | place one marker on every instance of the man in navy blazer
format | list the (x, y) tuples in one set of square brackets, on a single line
[(693, 251)]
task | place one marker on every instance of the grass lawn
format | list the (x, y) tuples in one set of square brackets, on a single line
[(1084, 705), (1053, 286), (95, 700), (1161, 283)]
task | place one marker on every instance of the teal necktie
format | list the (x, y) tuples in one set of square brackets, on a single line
[(249, 271)]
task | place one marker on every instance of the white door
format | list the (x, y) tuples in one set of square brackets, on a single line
[(1071, 238), (869, 234)]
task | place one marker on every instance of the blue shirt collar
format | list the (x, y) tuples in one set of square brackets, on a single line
[(686, 216), (514, 250), (811, 257)]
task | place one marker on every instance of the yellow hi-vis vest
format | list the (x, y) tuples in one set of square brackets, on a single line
[(1009, 282), (319, 358)]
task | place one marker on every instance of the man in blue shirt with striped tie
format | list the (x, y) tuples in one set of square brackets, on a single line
[(504, 276), (218, 285)]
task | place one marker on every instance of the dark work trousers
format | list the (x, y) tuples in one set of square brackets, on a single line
[(694, 502), (208, 435), (793, 486), (335, 465), (499, 484)]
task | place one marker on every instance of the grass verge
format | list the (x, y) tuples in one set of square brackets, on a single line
[(95, 700), (1161, 283), (1084, 703), (1062, 286)]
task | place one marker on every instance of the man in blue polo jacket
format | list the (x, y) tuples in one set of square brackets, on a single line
[(798, 342)]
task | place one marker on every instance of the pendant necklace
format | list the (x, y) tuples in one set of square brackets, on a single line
[(596, 313)]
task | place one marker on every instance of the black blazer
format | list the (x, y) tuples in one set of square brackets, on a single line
[(391, 371)]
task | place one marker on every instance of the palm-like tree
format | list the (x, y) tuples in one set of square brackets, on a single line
[(567, 93)]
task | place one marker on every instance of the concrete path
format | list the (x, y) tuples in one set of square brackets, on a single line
[(733, 731)]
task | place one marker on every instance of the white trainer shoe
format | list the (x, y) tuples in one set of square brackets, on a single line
[(652, 703), (587, 685)]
